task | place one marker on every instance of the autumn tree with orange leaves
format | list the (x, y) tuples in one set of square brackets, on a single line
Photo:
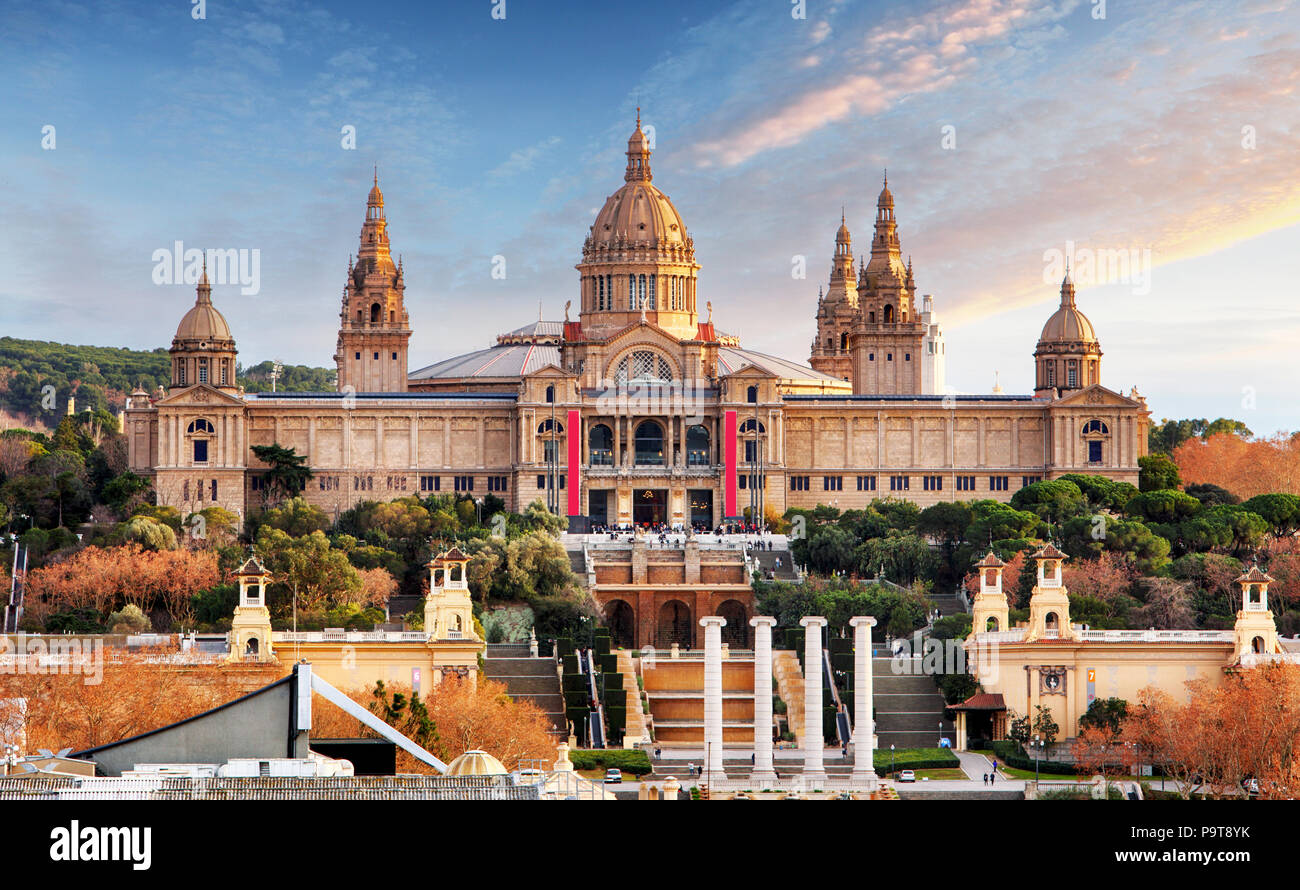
[(465, 715), (1245, 728), (104, 579), (1246, 467)]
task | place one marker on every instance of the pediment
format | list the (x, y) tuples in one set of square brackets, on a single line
[(199, 395), (551, 371), (1095, 396)]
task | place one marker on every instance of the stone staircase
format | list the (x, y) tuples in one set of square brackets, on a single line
[(526, 678), (766, 560), (578, 563), (948, 605), (909, 707), (637, 729)]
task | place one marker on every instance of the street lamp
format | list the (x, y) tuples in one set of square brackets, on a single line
[(940, 733), (1037, 745), (891, 760)]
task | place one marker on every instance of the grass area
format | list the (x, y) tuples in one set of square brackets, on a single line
[(1028, 775), (935, 775), (915, 759)]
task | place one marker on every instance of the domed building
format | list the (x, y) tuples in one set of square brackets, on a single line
[(639, 408), (1068, 357)]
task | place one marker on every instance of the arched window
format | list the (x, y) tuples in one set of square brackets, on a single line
[(650, 294), (1097, 427), (748, 426), (374, 313), (697, 446), (550, 394), (545, 427), (649, 442), (844, 340), (201, 426), (600, 292), (600, 442), (751, 395), (643, 365), (889, 314)]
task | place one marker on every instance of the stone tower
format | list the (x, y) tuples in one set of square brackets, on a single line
[(373, 325), (888, 337), (837, 310)]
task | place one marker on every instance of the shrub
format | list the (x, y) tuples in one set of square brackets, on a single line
[(634, 762), (129, 621)]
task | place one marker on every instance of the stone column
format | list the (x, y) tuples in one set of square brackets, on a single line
[(764, 775), (813, 770), (864, 724), (713, 696)]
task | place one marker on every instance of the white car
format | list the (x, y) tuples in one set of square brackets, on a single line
[(613, 777), (907, 775)]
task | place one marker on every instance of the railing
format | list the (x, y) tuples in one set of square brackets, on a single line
[(1155, 636), (597, 716), (842, 731), (1259, 659), (353, 636)]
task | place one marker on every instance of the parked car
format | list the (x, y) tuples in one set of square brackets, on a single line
[(613, 777), (907, 775)]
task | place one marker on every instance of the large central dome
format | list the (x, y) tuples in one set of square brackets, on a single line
[(638, 262)]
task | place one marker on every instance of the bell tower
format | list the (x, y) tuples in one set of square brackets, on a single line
[(990, 611), (373, 325), (1049, 604), (250, 629), (836, 311), (1255, 632), (448, 612)]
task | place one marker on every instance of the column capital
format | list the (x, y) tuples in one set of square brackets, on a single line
[(861, 621), (761, 621), (813, 621), (713, 620)]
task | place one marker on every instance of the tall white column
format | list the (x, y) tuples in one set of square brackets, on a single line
[(864, 724), (813, 768), (764, 774), (713, 696)]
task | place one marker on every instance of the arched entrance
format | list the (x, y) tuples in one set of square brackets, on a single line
[(649, 506), (992, 624), (1257, 645), (621, 621), (735, 633), (674, 625)]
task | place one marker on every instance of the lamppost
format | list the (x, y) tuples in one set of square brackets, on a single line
[(891, 761), (940, 733), (1037, 744)]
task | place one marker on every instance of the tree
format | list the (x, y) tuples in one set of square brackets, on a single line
[(1102, 492), (125, 491), (1107, 712), (288, 474), (1162, 505), (1098, 748), (320, 576), (1054, 500), (1211, 494), (1168, 605), (1164, 730), (1169, 434), (1157, 471), (1280, 511), (1245, 467), (296, 517), (1018, 728), (148, 532), (1045, 725), (129, 620)]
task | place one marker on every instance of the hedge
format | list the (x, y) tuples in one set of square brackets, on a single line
[(564, 645), (635, 762), (607, 664), (1011, 754), (613, 681), (914, 758)]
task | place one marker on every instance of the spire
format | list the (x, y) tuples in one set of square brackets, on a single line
[(1067, 288), (638, 154), (205, 286)]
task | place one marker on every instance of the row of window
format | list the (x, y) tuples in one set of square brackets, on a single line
[(376, 356), (642, 290), (904, 483), (202, 372), (541, 481), (889, 356)]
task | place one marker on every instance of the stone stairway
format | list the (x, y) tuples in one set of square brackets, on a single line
[(909, 707), (578, 563), (637, 730), (948, 605), (526, 678), (766, 560)]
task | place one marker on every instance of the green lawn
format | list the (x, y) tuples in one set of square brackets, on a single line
[(936, 774)]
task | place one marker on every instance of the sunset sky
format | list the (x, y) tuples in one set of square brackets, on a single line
[(1170, 130)]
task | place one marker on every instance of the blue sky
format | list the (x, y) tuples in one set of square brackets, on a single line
[(1168, 127)]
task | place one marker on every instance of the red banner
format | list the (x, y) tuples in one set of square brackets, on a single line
[(729, 466), (575, 457)]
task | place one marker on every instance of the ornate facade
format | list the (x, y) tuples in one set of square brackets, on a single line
[(640, 410)]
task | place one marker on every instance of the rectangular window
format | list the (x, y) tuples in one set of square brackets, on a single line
[(997, 483), (358, 356), (200, 451), (899, 483), (1094, 452), (866, 483), (1072, 374), (889, 356), (799, 483), (394, 356), (832, 483), (203, 370), (256, 483), (214, 490), (932, 483), (464, 483), (429, 483), (1026, 481), (541, 481), (965, 483), (907, 356), (751, 451), (742, 481)]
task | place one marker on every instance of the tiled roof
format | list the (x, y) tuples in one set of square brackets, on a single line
[(982, 701), (510, 360), (732, 359)]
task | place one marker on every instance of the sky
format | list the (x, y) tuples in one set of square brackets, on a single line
[(1015, 133)]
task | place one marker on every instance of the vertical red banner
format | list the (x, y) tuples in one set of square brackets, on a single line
[(729, 465), (574, 482)]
